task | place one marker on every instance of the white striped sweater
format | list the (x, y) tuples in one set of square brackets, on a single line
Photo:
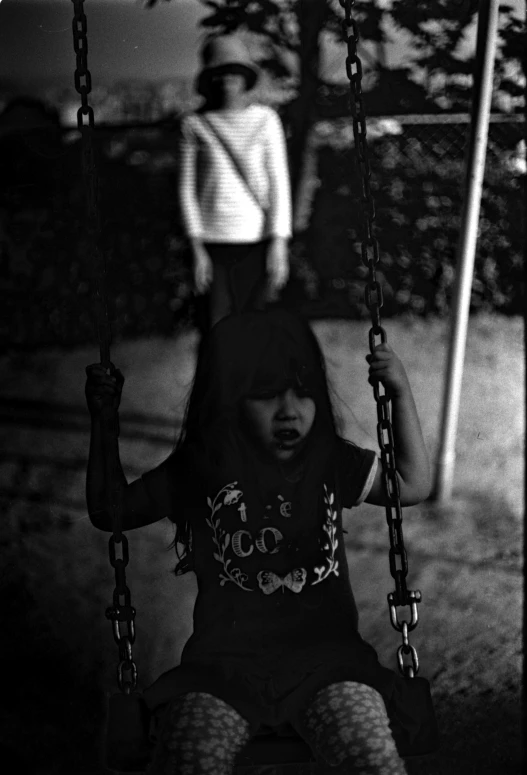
[(216, 205)]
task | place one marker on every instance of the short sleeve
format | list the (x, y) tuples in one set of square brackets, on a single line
[(161, 485), (356, 469)]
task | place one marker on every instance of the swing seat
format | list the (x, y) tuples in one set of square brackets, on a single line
[(126, 744), (274, 749), (127, 748)]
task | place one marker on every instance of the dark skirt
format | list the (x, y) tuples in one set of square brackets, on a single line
[(270, 700)]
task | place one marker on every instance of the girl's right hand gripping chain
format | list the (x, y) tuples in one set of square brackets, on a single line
[(387, 368), (103, 389), (411, 455)]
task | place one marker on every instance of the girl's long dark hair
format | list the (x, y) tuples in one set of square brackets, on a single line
[(242, 353)]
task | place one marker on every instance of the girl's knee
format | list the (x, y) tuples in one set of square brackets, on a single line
[(202, 735), (348, 727)]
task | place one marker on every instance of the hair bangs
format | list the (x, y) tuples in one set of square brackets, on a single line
[(282, 362)]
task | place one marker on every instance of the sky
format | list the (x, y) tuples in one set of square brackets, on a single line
[(125, 40)]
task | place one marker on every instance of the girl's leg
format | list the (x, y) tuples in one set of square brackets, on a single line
[(239, 280), (347, 727), (201, 735), (221, 302), (249, 278)]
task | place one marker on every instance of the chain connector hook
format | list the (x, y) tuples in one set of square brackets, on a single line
[(413, 598)]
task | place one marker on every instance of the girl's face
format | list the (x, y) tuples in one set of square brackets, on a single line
[(280, 420), (229, 87)]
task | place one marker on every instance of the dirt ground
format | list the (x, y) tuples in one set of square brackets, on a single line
[(466, 556)]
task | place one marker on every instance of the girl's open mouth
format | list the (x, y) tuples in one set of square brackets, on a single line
[(287, 437)]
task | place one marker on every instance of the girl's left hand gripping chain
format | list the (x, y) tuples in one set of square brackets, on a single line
[(103, 388)]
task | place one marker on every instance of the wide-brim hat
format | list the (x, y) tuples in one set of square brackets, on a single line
[(228, 54)]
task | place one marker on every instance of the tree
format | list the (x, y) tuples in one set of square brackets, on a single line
[(511, 66), (437, 30), (435, 78)]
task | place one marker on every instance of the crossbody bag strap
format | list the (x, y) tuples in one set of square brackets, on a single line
[(234, 160)]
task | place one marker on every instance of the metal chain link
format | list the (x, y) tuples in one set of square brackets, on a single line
[(374, 301), (121, 612), (91, 182)]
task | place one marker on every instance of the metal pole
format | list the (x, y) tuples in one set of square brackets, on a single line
[(475, 168)]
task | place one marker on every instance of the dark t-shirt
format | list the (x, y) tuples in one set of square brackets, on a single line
[(274, 594)]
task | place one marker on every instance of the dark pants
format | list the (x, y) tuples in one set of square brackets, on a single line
[(238, 283)]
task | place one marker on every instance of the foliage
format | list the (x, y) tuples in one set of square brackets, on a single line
[(437, 31), (436, 74), (436, 77), (46, 271), (511, 66), (419, 200)]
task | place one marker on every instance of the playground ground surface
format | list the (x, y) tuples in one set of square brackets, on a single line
[(466, 556)]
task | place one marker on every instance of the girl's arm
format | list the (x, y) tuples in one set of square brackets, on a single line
[(280, 213), (190, 209), (187, 182), (279, 218), (103, 393), (411, 456)]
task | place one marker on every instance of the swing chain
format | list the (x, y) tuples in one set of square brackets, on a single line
[(373, 297), (89, 169), (121, 612)]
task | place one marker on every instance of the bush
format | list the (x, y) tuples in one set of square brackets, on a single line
[(418, 217), (47, 270)]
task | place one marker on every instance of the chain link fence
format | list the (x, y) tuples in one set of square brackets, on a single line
[(446, 136), (417, 180)]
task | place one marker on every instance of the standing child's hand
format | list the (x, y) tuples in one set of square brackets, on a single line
[(102, 389), (202, 269), (386, 367), (277, 265)]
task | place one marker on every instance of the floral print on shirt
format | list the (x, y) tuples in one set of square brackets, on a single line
[(242, 544)]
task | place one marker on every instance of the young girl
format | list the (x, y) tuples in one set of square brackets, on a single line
[(234, 187), (255, 487)]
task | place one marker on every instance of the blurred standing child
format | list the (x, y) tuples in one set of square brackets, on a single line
[(234, 187)]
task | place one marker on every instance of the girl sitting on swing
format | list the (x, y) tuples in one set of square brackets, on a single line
[(234, 188), (255, 487)]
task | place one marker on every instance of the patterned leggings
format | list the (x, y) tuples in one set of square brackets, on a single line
[(346, 725)]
